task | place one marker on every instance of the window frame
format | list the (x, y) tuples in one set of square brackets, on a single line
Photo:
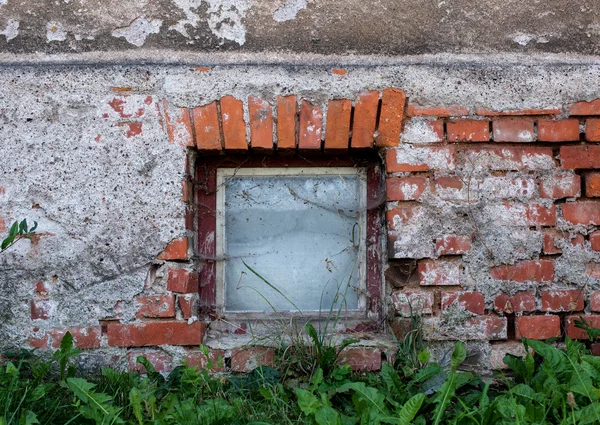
[(207, 252)]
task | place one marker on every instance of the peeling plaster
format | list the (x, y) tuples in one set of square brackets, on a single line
[(289, 10), (11, 30), (225, 19), (137, 32), (55, 31), (191, 18)]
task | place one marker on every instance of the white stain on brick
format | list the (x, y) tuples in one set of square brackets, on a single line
[(419, 131), (191, 18), (436, 158), (508, 187), (289, 10), (138, 31), (11, 30), (55, 31), (409, 191), (225, 19)]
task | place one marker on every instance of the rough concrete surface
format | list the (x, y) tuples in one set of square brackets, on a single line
[(389, 27)]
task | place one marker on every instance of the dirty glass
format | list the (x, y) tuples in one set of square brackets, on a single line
[(293, 242)]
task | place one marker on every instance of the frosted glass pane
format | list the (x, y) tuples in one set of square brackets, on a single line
[(301, 234)]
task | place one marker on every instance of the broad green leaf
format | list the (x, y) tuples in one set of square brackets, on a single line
[(459, 355), (28, 418), (307, 402), (135, 399), (326, 415), (410, 409)]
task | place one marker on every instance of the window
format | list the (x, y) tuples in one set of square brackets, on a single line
[(282, 234)]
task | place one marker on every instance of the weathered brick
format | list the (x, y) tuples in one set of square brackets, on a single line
[(337, 134), (42, 290), (361, 358), (436, 111), (339, 71), (513, 130), (311, 126), (580, 156), (405, 188), (525, 271), (83, 337), (582, 212), (500, 350), (390, 119), (420, 131), (592, 269), (468, 131), (516, 214), (177, 249), (558, 130), (41, 309), (365, 119), (585, 108), (439, 272), (504, 187), (595, 301), (407, 159), (409, 303), (161, 361), (553, 237), (40, 343), (577, 333), (286, 122), (156, 306), (455, 189), (196, 358), (507, 158), (592, 185), (248, 358), (563, 185), (403, 214), (155, 333), (206, 125), (260, 113), (557, 300), (521, 301), (480, 328), (595, 240), (592, 130), (179, 125), (188, 304), (453, 245), (182, 280), (470, 301), (538, 327), (234, 126), (516, 112)]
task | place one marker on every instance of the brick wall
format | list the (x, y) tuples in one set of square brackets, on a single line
[(491, 220)]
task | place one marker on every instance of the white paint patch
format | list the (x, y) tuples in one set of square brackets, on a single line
[(225, 19), (11, 30), (137, 32), (288, 10), (522, 38), (55, 31), (419, 131), (191, 18), (3, 2)]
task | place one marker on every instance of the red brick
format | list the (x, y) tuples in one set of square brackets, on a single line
[(593, 270), (177, 249), (311, 126), (155, 333), (426, 132), (286, 122), (2, 224), (580, 156), (562, 300), (585, 108), (470, 301), (517, 214), (365, 119), (521, 301), (361, 358), (552, 235), (179, 127), (595, 240), (402, 214), (560, 186), (338, 71), (468, 131), (83, 337), (42, 290), (337, 134), (161, 361), (577, 333), (516, 112), (513, 130), (592, 130), (197, 359), (439, 272), (595, 301), (419, 159), (206, 124), (538, 327), (182, 280), (451, 189), (390, 119), (500, 350), (41, 309), (508, 158), (437, 111), (405, 188), (156, 306), (249, 358), (39, 343), (595, 349), (453, 245), (234, 126), (188, 304), (558, 130), (582, 212), (525, 271), (409, 303), (592, 185), (261, 123)]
